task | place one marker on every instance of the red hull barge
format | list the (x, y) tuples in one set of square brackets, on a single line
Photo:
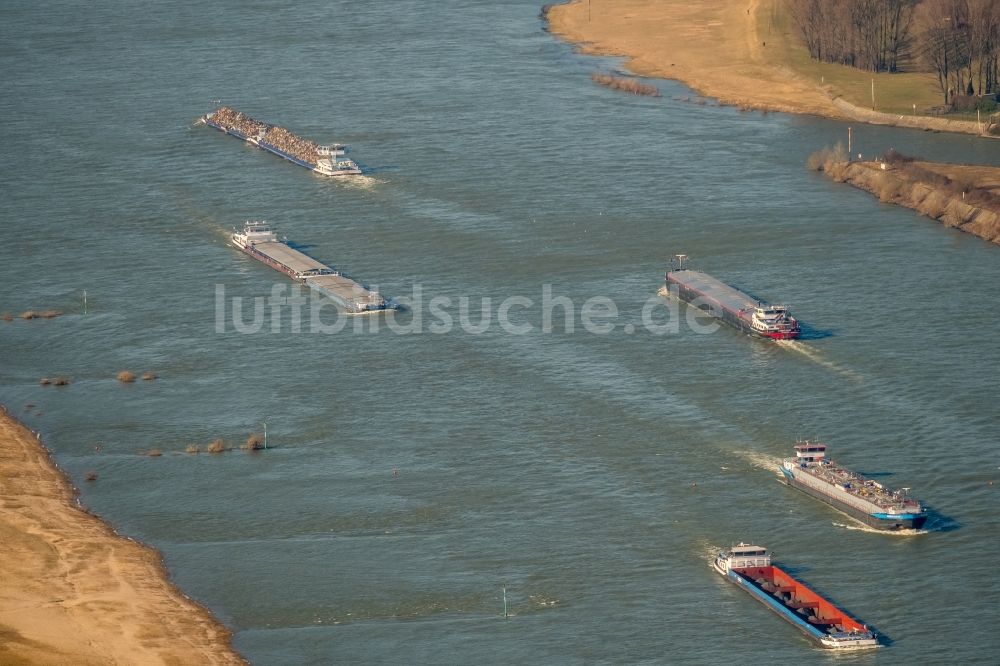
[(749, 567)]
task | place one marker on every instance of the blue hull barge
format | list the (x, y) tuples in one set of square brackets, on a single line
[(279, 141), (863, 499), (257, 240)]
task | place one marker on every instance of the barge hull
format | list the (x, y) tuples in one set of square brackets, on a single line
[(342, 290), (852, 634), (720, 300), (883, 522)]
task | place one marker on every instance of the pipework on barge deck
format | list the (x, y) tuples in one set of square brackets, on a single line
[(260, 242)]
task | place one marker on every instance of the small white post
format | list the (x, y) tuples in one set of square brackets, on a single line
[(84, 301), (505, 602), (265, 435)]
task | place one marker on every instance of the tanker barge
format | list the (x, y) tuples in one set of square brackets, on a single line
[(749, 567), (863, 499), (260, 242), (731, 305), (279, 141)]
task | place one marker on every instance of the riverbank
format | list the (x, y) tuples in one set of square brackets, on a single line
[(75, 592), (740, 52), (959, 196)]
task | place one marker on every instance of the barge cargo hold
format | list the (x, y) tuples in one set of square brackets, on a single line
[(260, 242), (731, 305), (862, 499), (750, 568), (279, 141)]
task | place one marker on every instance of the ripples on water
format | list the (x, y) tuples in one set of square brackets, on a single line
[(589, 474)]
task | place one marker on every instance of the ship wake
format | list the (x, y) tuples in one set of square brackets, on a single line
[(818, 358), (760, 460), (861, 527)]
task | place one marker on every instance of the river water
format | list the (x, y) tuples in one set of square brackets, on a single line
[(410, 478)]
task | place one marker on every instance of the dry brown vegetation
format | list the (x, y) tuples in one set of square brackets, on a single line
[(192, 448), (154, 453), (217, 446), (634, 86), (90, 476), (44, 381), (50, 314), (126, 376), (958, 184), (61, 381), (148, 376), (254, 442), (29, 314), (833, 161)]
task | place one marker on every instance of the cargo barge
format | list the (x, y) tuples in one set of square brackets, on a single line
[(750, 568), (731, 305), (260, 242), (279, 141), (862, 499)]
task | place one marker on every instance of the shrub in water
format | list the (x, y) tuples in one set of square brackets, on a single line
[(254, 442), (126, 376)]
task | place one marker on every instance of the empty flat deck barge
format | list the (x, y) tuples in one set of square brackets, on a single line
[(257, 240)]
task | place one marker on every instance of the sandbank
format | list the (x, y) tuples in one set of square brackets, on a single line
[(72, 591)]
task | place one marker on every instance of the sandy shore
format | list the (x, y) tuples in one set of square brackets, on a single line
[(720, 49), (74, 592)]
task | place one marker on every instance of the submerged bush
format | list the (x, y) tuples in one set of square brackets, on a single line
[(634, 86), (126, 376)]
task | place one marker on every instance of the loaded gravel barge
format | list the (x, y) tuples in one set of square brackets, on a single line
[(260, 242), (869, 501), (730, 304), (279, 141), (749, 567)]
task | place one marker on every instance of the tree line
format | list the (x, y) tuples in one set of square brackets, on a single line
[(958, 40)]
